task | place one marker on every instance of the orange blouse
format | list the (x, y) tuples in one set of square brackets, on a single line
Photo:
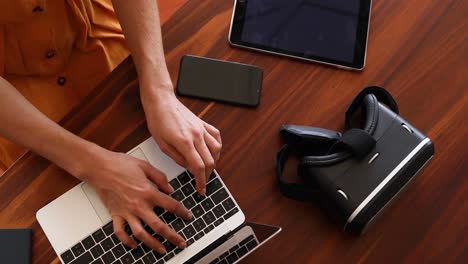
[(62, 48)]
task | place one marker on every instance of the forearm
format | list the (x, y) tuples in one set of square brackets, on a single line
[(22, 123), (141, 25)]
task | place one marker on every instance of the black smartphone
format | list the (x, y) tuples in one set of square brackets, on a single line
[(223, 81)]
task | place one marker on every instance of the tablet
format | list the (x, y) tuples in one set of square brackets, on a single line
[(333, 32)]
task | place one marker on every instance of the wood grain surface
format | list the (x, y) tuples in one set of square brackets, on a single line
[(417, 50)]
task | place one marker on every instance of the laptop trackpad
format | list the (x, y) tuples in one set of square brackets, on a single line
[(96, 202)]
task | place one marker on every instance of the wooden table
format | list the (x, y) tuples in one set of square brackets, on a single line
[(417, 50)]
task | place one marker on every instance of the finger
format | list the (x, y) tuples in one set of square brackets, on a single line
[(213, 131), (196, 166), (141, 234), (157, 177), (208, 160), (213, 145), (160, 228), (173, 153), (119, 230), (170, 204)]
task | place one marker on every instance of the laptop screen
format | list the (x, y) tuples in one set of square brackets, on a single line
[(237, 244)]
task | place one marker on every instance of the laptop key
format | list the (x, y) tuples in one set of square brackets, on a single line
[(139, 262), (219, 196), (108, 258), (97, 261), (252, 244), (117, 262), (97, 251), (208, 229), (245, 240), (198, 197), (231, 213), (108, 228), (209, 218), (198, 211), (232, 258), (218, 222), (183, 178), (213, 186), (115, 239), (98, 235), (158, 210), (178, 224), (219, 211), (169, 256), (212, 176), (189, 202), (175, 184), (118, 250), (127, 259), (157, 255), (199, 225), (168, 217), (178, 195), (198, 236), (158, 237), (88, 242), (107, 244), (207, 204), (177, 250), (78, 249), (169, 246), (190, 242), (234, 248), (137, 252), (86, 258), (67, 256), (241, 251), (189, 231), (187, 189), (149, 258), (229, 204)]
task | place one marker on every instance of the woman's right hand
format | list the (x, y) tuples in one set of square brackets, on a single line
[(130, 188)]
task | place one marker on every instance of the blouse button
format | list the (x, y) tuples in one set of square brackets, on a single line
[(50, 54), (61, 81), (38, 9)]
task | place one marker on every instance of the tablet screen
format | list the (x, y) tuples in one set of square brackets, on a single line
[(327, 30)]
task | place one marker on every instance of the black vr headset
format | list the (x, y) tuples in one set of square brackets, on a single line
[(353, 175)]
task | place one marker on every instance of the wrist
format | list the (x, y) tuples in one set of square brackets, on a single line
[(83, 164)]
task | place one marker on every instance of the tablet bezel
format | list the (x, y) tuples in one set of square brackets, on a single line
[(358, 63)]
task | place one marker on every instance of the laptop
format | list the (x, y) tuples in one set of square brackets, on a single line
[(79, 226)]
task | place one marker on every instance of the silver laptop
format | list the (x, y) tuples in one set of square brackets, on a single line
[(80, 230)]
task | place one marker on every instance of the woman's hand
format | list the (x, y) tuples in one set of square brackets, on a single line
[(191, 142), (130, 188)]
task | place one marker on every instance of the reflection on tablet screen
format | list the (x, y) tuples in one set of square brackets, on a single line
[(237, 244)]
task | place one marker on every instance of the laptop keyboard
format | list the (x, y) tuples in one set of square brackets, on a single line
[(208, 211), (237, 251)]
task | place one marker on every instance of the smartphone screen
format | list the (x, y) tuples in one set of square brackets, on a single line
[(219, 80)]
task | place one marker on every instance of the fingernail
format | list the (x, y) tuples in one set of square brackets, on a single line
[(170, 188), (182, 245), (189, 215), (203, 191), (161, 250)]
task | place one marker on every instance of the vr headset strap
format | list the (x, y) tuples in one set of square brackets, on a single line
[(380, 93), (292, 190)]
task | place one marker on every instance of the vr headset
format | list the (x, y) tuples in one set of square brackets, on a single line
[(354, 175)]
